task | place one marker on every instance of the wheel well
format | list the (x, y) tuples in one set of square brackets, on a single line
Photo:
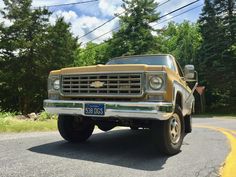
[(178, 100)]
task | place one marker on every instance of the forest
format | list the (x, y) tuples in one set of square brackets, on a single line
[(30, 47)]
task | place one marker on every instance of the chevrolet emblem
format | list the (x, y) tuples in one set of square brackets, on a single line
[(97, 84)]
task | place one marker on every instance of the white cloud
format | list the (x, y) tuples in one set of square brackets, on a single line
[(109, 8), (86, 17), (6, 22), (81, 24), (84, 24), (69, 16), (41, 3)]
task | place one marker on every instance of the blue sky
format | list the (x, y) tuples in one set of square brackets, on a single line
[(85, 17)]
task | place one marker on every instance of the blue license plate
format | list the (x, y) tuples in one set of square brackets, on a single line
[(94, 109)]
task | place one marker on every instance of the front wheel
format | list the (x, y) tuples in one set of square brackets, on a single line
[(75, 129), (169, 134)]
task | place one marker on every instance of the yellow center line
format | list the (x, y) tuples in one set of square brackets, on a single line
[(213, 127), (225, 129), (229, 167)]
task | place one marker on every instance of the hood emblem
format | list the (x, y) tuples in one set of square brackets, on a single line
[(97, 84)]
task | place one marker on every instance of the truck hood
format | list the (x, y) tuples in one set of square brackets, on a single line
[(109, 68)]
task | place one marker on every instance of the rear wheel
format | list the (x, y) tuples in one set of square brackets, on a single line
[(105, 126), (169, 134), (75, 129)]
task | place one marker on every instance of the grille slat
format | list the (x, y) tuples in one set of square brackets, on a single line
[(121, 84)]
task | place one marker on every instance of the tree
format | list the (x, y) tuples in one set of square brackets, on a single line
[(30, 48), (135, 33), (181, 40), (217, 26), (92, 54)]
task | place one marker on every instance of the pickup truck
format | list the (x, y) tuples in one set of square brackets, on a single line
[(140, 92)]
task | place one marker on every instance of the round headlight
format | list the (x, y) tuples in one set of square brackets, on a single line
[(56, 84), (155, 82)]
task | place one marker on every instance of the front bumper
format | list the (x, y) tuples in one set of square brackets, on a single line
[(139, 110)]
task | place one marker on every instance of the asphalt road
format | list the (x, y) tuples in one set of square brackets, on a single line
[(119, 152)]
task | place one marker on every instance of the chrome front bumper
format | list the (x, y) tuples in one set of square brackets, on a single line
[(141, 110)]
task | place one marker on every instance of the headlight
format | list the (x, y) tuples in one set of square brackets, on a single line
[(155, 82), (56, 84)]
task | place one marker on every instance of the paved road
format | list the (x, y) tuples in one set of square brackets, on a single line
[(116, 153)]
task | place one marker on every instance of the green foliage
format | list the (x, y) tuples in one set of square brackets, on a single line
[(92, 54), (7, 114), (43, 116), (134, 36), (61, 46), (30, 49), (217, 59), (181, 40)]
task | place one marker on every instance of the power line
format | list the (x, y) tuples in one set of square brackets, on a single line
[(178, 15), (102, 35), (102, 25), (178, 9), (67, 4), (151, 22), (58, 5), (112, 20), (152, 26), (116, 27), (162, 3)]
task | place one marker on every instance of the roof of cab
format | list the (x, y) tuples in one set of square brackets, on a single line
[(141, 56)]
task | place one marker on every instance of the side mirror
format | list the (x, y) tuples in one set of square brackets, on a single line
[(189, 73)]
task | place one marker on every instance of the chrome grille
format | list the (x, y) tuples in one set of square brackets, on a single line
[(121, 84)]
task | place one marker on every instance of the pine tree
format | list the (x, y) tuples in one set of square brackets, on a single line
[(217, 57), (30, 48), (135, 33), (208, 27), (226, 19)]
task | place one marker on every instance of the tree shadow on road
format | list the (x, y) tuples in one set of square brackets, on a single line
[(126, 148)]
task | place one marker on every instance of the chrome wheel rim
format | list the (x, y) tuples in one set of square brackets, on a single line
[(175, 129)]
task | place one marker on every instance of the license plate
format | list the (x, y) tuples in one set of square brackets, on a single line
[(94, 109)]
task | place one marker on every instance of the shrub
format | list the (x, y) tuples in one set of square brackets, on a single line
[(46, 116)]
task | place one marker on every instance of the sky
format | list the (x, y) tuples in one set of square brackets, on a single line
[(85, 17)]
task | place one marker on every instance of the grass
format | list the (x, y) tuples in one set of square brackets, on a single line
[(10, 123)]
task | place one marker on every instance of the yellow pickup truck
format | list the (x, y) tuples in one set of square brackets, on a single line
[(144, 91)]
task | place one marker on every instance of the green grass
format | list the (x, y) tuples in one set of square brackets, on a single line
[(10, 123), (7, 114), (15, 125)]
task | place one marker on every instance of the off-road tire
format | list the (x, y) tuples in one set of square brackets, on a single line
[(162, 136), (74, 129), (105, 126)]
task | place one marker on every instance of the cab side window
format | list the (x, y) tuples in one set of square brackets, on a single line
[(171, 64), (180, 70)]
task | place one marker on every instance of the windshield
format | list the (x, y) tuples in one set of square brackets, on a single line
[(148, 60)]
